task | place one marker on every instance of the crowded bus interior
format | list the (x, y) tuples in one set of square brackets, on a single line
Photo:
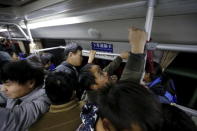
[(98, 65)]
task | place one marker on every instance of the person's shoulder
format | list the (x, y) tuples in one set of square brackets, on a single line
[(38, 96), (63, 67)]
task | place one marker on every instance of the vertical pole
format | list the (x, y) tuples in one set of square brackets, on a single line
[(9, 35), (32, 45), (149, 17), (148, 27), (28, 32)]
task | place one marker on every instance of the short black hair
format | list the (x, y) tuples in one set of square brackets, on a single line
[(86, 77), (46, 58), (21, 72), (71, 47), (4, 58), (157, 72), (35, 59), (125, 104), (176, 120), (59, 87)]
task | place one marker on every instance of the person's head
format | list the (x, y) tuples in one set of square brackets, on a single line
[(176, 120), (12, 53), (47, 59), (92, 77), (128, 107), (4, 58), (73, 54), (60, 87), (35, 59), (157, 71), (19, 78)]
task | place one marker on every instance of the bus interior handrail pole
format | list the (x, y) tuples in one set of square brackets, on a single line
[(149, 17), (84, 51), (21, 30)]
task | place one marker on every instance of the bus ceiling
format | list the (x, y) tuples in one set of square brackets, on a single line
[(94, 10), (36, 14)]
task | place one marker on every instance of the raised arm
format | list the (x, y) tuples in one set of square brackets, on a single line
[(135, 65), (112, 66)]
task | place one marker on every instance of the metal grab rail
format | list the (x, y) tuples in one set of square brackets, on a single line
[(172, 47), (101, 55), (51, 48), (149, 46), (149, 17), (21, 30)]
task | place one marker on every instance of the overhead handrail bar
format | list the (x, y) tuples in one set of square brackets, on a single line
[(51, 48), (21, 30), (102, 53), (149, 46), (172, 47), (15, 38), (84, 51)]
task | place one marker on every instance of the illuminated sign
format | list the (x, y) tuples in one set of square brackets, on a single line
[(102, 46)]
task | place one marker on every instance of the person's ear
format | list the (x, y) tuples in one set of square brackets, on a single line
[(31, 84), (70, 54), (107, 125), (99, 125)]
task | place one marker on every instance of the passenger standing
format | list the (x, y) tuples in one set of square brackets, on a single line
[(22, 93), (92, 78), (127, 106), (4, 58), (72, 59), (47, 60), (65, 109)]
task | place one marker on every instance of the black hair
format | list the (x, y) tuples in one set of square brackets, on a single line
[(86, 77), (71, 47), (176, 120), (22, 72), (35, 60), (156, 72), (46, 58), (59, 87), (125, 104), (4, 58)]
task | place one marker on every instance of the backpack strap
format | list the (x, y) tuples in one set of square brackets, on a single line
[(156, 81)]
